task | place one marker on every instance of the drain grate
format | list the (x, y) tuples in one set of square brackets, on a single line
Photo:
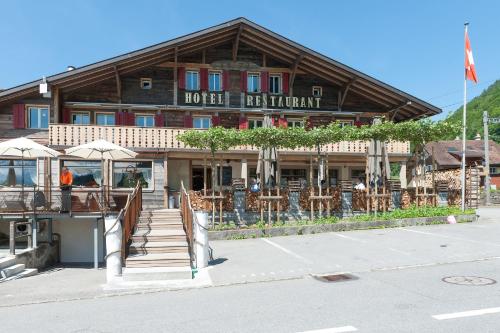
[(469, 280), (335, 277)]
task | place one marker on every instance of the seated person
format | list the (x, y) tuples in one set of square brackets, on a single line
[(360, 185), (254, 185)]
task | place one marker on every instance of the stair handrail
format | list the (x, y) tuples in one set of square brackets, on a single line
[(188, 216)]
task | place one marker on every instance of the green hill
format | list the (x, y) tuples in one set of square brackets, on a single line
[(489, 100)]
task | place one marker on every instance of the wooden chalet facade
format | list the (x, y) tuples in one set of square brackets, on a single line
[(229, 75)]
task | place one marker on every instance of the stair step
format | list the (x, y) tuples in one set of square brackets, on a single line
[(158, 260), (157, 273), (12, 270), (159, 226), (158, 247), (7, 261)]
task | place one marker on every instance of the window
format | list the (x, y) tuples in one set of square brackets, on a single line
[(202, 122), (144, 120), (317, 91), (214, 80), (11, 173), (293, 174), (80, 118), (146, 83), (357, 173), (126, 174), (227, 175), (105, 119), (192, 80), (253, 82), (295, 123), (452, 149), (494, 170), (344, 123), (38, 117), (254, 123), (85, 173), (275, 84)]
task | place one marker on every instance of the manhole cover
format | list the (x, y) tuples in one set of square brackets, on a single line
[(335, 277), (469, 280)]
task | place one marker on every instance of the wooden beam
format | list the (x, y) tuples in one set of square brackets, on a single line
[(56, 103), (264, 60), (176, 82), (236, 43), (203, 56), (294, 70), (344, 92), (118, 85)]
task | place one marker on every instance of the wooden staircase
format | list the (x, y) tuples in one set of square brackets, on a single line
[(159, 248)]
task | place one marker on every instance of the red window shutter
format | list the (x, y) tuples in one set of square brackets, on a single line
[(204, 79), (159, 120), (282, 122), (130, 118), (181, 77), (120, 118), (286, 79), (225, 80), (215, 121), (66, 116), (243, 122), (18, 116), (309, 123), (188, 121), (243, 81), (264, 82)]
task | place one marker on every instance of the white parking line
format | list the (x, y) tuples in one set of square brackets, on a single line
[(293, 254), (451, 237), (334, 330), (350, 238), (471, 313)]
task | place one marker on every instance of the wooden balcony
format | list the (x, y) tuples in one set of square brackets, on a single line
[(138, 138)]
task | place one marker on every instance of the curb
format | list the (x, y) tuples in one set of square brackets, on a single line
[(333, 227)]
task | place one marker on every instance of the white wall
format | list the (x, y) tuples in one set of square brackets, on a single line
[(178, 170), (77, 239)]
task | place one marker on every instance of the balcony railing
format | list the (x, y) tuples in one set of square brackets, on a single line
[(64, 135)]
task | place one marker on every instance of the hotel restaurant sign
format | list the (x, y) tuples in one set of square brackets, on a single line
[(254, 100)]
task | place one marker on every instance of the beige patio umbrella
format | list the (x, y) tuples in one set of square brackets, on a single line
[(25, 148), (268, 157), (103, 150)]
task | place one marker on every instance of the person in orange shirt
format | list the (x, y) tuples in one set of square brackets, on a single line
[(66, 178)]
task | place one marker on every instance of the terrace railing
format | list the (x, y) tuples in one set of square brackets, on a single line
[(64, 135), (129, 216), (188, 216)]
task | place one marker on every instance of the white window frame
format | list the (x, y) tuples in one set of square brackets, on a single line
[(295, 122), (318, 88), (193, 71), (259, 83), (202, 117), (254, 121), (39, 107), (83, 113), (144, 115), (146, 80), (344, 123), (105, 113), (220, 80), (280, 83), (147, 189), (19, 188)]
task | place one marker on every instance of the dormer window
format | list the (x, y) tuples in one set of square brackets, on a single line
[(253, 82), (317, 91), (275, 86), (146, 83)]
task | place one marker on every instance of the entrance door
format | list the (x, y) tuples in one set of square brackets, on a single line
[(198, 177)]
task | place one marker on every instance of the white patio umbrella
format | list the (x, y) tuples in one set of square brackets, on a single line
[(25, 148), (103, 150), (268, 157)]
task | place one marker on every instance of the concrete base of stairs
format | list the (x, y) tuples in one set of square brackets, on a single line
[(156, 273)]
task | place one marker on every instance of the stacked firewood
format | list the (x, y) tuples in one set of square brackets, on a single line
[(452, 176), (197, 201), (359, 200), (252, 201)]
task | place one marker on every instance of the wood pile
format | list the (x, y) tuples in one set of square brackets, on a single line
[(359, 200), (252, 201)]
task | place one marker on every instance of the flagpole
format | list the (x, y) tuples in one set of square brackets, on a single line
[(464, 127)]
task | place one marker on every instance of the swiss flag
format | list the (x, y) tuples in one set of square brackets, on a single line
[(470, 70)]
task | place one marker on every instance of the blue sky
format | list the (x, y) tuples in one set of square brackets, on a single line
[(417, 46)]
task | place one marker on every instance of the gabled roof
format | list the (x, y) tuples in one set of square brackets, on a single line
[(448, 153), (400, 104)]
